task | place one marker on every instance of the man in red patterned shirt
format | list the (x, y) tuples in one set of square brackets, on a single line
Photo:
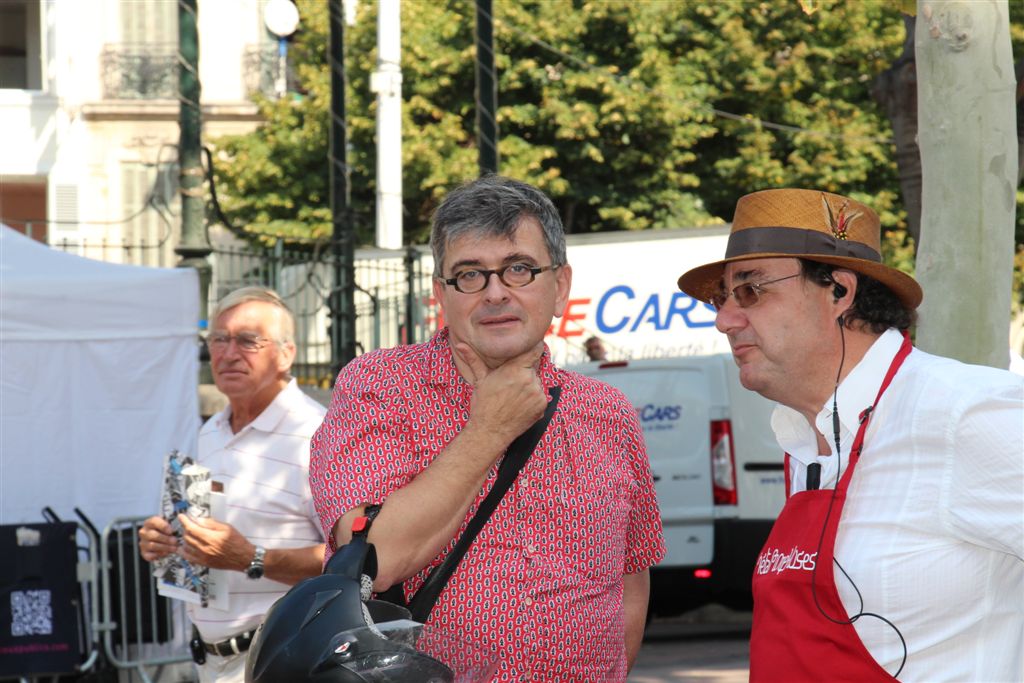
[(557, 581)]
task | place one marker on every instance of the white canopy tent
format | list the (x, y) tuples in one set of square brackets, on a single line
[(98, 381)]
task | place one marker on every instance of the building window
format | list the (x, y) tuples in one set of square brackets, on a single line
[(23, 206), (144, 65), (149, 22), (153, 211), (20, 57)]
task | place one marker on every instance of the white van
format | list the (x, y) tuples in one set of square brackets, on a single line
[(717, 469)]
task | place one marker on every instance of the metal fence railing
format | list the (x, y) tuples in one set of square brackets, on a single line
[(393, 303)]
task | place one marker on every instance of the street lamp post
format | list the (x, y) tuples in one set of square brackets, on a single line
[(281, 18)]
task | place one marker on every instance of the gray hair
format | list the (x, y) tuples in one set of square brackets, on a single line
[(494, 206), (285, 319)]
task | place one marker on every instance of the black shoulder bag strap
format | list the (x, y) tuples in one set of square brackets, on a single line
[(515, 458)]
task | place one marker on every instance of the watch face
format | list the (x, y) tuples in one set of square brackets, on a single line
[(255, 568)]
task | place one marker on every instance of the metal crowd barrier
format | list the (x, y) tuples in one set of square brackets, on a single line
[(47, 579), (142, 631), (126, 631), (87, 606), (123, 629)]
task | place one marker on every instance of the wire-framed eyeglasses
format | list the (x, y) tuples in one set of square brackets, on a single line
[(249, 342), (746, 294), (513, 275)]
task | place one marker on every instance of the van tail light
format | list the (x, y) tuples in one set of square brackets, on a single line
[(723, 463)]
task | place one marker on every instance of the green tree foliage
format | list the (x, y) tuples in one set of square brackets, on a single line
[(771, 61), (631, 115)]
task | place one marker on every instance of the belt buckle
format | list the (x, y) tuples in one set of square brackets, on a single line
[(198, 650)]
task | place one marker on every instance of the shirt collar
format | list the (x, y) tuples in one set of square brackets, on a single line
[(270, 418), (856, 392), (440, 368)]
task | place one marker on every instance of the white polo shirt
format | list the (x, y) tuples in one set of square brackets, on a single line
[(265, 472), (932, 532)]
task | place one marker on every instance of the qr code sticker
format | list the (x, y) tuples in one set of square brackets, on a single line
[(31, 613)]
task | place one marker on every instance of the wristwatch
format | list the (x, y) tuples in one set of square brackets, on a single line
[(255, 568)]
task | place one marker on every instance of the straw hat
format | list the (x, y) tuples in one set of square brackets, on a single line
[(809, 224)]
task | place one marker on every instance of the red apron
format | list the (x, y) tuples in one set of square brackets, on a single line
[(791, 640)]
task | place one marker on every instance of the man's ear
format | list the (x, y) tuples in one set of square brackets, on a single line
[(844, 290), (285, 356), (438, 287), (844, 286), (563, 283)]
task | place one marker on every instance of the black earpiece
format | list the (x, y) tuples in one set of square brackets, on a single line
[(838, 290)]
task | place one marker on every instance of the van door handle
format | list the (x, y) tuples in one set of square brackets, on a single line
[(656, 477)]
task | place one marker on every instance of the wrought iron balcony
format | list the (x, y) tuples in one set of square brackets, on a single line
[(139, 72), (260, 68)]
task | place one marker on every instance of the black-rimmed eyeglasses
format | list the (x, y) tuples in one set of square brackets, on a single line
[(746, 294), (248, 342), (513, 275)]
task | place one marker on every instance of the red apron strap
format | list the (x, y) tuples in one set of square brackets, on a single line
[(786, 473)]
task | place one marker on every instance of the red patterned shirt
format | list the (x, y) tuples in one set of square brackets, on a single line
[(542, 583)]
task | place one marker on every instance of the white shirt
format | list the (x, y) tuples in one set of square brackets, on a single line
[(932, 532), (265, 472)]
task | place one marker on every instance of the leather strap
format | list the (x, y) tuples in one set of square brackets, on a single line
[(518, 453), (232, 646)]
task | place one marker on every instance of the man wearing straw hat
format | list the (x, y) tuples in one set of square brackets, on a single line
[(900, 550)]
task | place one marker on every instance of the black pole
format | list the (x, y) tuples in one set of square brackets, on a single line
[(411, 282), (486, 90), (342, 300), (193, 247)]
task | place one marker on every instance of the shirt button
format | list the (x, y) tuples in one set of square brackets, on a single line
[(531, 549), (527, 601)]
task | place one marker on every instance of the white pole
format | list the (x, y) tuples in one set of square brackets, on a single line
[(281, 18), (386, 81), (281, 82)]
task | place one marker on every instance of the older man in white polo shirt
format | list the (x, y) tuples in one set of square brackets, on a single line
[(258, 447)]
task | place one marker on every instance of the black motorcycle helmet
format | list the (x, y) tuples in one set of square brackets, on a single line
[(319, 632)]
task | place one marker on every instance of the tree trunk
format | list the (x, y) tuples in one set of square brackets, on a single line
[(1019, 73), (896, 90), (967, 135)]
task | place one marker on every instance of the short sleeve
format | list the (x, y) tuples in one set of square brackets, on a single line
[(645, 544), (360, 453)]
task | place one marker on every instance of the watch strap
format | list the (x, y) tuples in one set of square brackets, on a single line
[(256, 567)]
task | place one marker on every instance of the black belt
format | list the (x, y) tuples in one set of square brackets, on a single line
[(232, 646)]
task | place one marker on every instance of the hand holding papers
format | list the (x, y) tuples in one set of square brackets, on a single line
[(188, 490)]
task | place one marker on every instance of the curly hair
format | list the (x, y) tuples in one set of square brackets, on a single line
[(874, 305)]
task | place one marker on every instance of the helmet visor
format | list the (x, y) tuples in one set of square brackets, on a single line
[(407, 651)]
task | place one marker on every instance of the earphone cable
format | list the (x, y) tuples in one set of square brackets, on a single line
[(828, 514)]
